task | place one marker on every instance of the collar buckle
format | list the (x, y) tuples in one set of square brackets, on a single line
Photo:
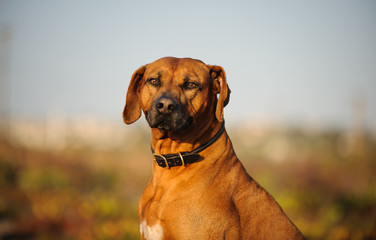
[(155, 155)]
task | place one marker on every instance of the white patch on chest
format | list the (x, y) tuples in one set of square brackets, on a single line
[(154, 232)]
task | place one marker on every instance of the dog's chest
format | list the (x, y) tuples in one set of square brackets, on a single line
[(154, 232)]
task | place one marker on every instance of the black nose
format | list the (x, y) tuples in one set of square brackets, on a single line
[(165, 105)]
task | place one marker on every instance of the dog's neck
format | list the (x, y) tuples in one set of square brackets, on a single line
[(178, 142)]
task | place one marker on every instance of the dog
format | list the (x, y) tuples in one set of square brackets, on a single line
[(199, 189)]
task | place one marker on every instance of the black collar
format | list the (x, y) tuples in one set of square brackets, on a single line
[(184, 158)]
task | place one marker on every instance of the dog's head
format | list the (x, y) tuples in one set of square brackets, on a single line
[(176, 93)]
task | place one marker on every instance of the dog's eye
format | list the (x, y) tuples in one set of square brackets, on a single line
[(190, 85), (154, 81)]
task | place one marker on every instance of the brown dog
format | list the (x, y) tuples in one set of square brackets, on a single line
[(199, 188)]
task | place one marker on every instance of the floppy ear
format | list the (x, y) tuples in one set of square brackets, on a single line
[(220, 87), (132, 109)]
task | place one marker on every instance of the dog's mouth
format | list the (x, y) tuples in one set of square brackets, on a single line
[(174, 122)]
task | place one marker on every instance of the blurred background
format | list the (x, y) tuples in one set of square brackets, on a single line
[(302, 115)]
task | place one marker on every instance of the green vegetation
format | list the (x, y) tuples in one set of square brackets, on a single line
[(324, 180)]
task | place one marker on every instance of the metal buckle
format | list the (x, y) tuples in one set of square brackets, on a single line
[(165, 160), (182, 159)]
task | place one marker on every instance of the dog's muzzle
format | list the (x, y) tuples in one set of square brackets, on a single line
[(166, 114)]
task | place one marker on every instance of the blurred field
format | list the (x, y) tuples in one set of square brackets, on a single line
[(81, 188)]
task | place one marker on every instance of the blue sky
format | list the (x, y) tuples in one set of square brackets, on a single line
[(295, 62)]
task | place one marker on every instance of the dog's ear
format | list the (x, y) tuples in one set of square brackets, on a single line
[(220, 87), (132, 109)]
